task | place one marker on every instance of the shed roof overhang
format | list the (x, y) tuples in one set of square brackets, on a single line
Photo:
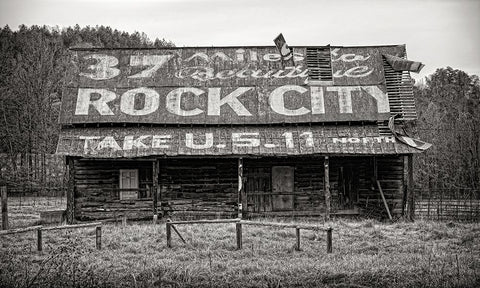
[(259, 141)]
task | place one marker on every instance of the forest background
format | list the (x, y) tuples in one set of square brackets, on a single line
[(34, 70)]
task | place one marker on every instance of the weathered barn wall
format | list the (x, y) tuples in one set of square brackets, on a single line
[(198, 187), (350, 184), (208, 187), (97, 194)]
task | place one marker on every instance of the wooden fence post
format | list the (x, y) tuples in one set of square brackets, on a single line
[(329, 240), (238, 228), (169, 234), (327, 188), (98, 238), (410, 189), (70, 190), (4, 208), (39, 239), (297, 233)]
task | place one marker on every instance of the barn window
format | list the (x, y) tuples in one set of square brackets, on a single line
[(128, 184), (319, 63)]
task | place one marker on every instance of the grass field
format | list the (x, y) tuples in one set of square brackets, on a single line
[(365, 254)]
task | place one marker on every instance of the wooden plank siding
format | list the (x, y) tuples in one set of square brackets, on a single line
[(97, 190), (192, 188)]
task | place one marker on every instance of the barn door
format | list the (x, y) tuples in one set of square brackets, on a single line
[(258, 189), (282, 187), (128, 184)]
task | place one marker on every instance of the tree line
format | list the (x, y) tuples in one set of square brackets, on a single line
[(34, 69)]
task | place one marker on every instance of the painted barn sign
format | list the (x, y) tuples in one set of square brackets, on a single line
[(223, 86), (173, 141)]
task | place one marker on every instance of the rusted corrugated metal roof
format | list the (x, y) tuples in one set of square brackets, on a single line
[(131, 142)]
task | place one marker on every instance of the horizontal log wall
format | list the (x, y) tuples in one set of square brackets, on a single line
[(193, 188), (97, 190), (200, 188), (390, 174), (308, 185)]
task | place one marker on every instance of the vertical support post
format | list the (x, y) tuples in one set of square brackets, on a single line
[(39, 239), (70, 191), (410, 190), (329, 240), (4, 207), (327, 188), (297, 233), (242, 197), (238, 229), (155, 169), (98, 237), (169, 234)]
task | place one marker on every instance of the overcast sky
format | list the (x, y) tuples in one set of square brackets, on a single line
[(438, 33)]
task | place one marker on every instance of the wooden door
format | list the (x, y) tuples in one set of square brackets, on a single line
[(128, 184), (258, 189), (282, 188)]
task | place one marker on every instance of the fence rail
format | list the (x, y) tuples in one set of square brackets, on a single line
[(448, 204)]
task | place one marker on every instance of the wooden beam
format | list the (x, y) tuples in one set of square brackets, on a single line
[(178, 233), (384, 200), (20, 230), (329, 240), (70, 191), (214, 221), (169, 234), (242, 196), (327, 188), (155, 166), (98, 237), (297, 234), (410, 189), (76, 226), (39, 240), (4, 207), (238, 229)]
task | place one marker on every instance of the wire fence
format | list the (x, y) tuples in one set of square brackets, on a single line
[(448, 204)]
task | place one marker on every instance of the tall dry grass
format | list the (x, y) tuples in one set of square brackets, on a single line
[(366, 254)]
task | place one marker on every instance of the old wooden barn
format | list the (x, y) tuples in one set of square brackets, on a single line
[(228, 131)]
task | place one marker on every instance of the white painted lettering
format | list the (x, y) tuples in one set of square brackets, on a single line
[(383, 105), (246, 139), (129, 142), (84, 100), (317, 99), (127, 101), (344, 97), (155, 61), (277, 100), (108, 143), (190, 143), (160, 141), (174, 100), (89, 141), (215, 103), (103, 69)]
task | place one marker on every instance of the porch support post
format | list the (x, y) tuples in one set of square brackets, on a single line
[(242, 197), (326, 182), (155, 170), (410, 189), (70, 190)]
